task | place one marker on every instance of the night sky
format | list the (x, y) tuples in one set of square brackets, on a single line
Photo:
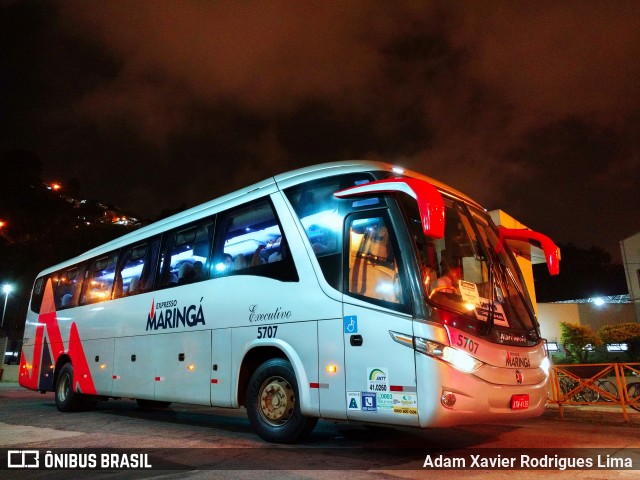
[(531, 107)]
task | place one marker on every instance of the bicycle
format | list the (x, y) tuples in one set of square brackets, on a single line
[(608, 387), (583, 394), (633, 392), (633, 395)]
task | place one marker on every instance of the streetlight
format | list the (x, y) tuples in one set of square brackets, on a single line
[(6, 289)]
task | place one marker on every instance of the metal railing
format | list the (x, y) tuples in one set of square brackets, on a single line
[(596, 384)]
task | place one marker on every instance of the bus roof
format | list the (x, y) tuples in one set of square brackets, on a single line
[(270, 185), (349, 166)]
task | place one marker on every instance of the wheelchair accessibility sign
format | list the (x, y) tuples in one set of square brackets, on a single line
[(350, 324)]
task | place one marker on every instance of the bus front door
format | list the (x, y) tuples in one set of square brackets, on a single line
[(380, 372)]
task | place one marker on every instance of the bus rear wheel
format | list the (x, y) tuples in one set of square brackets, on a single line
[(272, 403), (66, 399)]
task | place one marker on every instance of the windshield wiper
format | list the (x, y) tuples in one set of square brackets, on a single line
[(490, 313)]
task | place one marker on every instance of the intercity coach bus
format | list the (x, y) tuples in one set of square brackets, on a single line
[(349, 290)]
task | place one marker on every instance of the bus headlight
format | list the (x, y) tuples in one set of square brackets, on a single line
[(456, 358), (545, 365), (461, 360)]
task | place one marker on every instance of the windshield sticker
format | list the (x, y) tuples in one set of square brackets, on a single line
[(377, 379), (469, 292), (482, 313)]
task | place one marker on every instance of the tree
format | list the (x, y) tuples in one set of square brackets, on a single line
[(575, 338), (628, 333)]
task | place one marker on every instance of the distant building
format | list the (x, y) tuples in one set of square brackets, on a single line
[(592, 312), (630, 248), (526, 254), (598, 312)]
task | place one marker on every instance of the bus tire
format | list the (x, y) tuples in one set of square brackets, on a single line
[(272, 403), (66, 399), (151, 404)]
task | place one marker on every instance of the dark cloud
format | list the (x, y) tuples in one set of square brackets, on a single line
[(584, 177), (532, 107)]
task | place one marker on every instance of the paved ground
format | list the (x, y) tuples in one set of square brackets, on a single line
[(201, 442)]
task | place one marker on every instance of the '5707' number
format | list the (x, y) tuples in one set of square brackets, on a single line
[(467, 343), (267, 332)]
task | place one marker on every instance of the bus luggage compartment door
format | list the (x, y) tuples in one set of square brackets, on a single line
[(183, 367), (134, 367)]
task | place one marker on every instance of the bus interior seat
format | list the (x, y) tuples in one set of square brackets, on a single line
[(240, 262), (66, 300)]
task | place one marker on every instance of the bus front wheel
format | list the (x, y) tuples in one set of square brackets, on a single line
[(66, 399), (272, 403)]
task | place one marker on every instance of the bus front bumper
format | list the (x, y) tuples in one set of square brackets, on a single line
[(448, 397)]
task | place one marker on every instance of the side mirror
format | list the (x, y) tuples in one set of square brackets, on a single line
[(429, 199), (551, 252)]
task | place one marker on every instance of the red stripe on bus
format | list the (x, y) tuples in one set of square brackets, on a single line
[(214, 380), (314, 385), (48, 321), (396, 388)]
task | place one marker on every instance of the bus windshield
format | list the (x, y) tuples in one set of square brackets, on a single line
[(471, 273)]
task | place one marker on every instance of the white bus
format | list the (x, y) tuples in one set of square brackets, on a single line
[(349, 290)]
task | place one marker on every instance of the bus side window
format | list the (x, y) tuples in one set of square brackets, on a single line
[(372, 262), (185, 255), (149, 270), (69, 286), (37, 294), (251, 242), (99, 279), (322, 215), (136, 264)]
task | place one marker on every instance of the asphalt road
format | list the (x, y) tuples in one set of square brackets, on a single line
[(199, 442)]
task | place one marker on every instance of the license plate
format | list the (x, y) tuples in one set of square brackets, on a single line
[(519, 402)]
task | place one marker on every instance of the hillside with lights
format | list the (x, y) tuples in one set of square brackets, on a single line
[(43, 223)]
